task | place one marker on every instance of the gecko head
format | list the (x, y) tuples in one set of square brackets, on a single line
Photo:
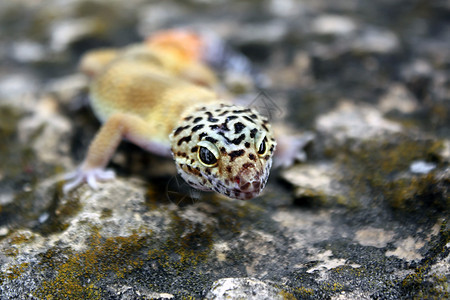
[(224, 148)]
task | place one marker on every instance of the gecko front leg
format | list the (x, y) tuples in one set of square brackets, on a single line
[(119, 126)]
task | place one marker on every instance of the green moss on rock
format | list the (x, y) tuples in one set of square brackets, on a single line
[(378, 168), (422, 285), (77, 276)]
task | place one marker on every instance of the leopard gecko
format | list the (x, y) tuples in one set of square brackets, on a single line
[(159, 96)]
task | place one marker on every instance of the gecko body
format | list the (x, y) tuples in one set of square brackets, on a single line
[(140, 96)]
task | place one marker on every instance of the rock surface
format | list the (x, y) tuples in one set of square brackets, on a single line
[(365, 217)]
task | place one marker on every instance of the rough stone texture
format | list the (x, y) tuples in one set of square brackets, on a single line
[(243, 288), (363, 218), (350, 122)]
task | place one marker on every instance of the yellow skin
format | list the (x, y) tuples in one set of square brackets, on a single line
[(152, 96)]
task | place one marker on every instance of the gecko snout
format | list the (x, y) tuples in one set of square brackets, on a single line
[(248, 183)]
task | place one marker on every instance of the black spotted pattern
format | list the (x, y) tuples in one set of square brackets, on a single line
[(197, 127), (236, 153), (238, 127), (232, 130), (180, 129), (185, 139)]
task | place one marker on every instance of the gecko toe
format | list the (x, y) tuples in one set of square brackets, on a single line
[(76, 178), (92, 180), (69, 186), (105, 175)]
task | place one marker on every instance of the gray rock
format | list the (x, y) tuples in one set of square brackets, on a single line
[(286, 8), (17, 86), (243, 288), (355, 122), (27, 51), (375, 40), (67, 88), (333, 25), (421, 167), (263, 33), (65, 32), (317, 181), (52, 128), (417, 69), (398, 98), (156, 15), (445, 151)]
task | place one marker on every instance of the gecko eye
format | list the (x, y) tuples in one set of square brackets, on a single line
[(207, 154), (261, 144), (206, 157), (262, 148)]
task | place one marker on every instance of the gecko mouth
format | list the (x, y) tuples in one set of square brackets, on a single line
[(245, 190), (246, 195), (248, 189)]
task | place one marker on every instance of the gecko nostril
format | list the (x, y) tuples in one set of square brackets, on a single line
[(245, 186), (256, 184)]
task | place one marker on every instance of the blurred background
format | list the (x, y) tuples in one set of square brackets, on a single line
[(316, 51), (363, 218)]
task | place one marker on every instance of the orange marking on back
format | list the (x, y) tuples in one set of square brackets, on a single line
[(187, 44)]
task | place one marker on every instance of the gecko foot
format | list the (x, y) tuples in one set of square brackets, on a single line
[(290, 148), (91, 176)]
